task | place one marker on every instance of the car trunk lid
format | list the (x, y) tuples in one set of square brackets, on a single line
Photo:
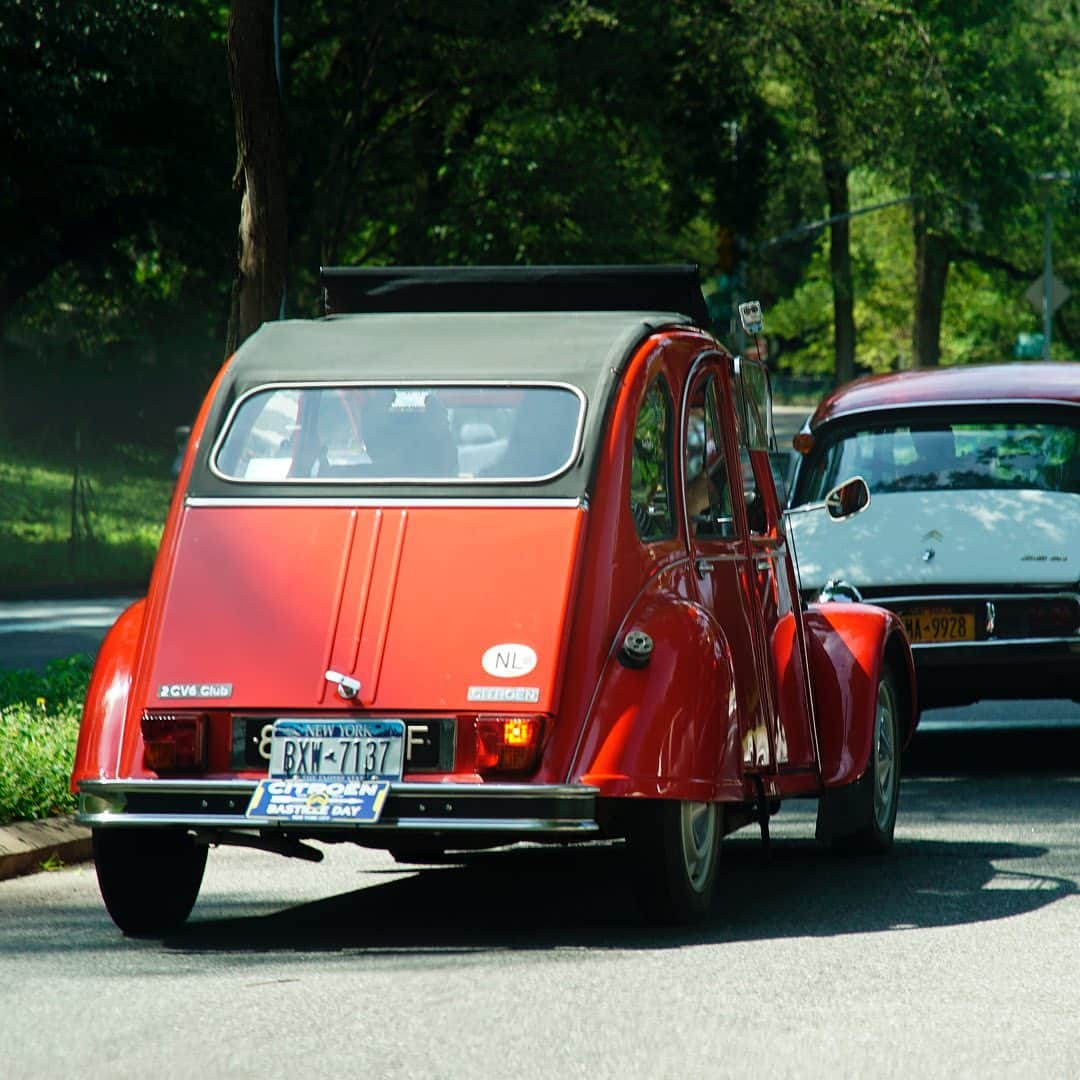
[(426, 607)]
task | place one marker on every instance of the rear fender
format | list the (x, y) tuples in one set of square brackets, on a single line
[(668, 729), (102, 727), (849, 644)]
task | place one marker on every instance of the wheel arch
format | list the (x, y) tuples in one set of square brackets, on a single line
[(668, 729), (849, 645), (102, 726)]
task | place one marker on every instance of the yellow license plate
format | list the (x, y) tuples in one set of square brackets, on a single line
[(931, 627)]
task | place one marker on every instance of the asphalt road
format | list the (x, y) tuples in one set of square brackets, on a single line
[(954, 956), (33, 632)]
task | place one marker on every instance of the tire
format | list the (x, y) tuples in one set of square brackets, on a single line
[(149, 878), (877, 795), (674, 851)]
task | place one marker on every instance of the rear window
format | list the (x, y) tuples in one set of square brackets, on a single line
[(408, 433), (951, 457)]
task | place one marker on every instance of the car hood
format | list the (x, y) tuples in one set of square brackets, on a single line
[(944, 538), (431, 608)]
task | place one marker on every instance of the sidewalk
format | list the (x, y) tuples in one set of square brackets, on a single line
[(25, 845)]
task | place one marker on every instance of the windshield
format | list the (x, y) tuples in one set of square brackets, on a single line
[(410, 433), (956, 457)]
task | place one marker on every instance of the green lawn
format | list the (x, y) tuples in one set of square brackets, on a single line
[(119, 510)]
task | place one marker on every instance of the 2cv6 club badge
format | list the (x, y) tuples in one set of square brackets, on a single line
[(485, 555)]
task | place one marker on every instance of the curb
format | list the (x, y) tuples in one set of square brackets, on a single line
[(25, 845)]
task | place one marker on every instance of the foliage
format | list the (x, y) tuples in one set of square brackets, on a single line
[(616, 132), (116, 211), (39, 727), (118, 520)]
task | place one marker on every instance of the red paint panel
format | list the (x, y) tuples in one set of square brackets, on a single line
[(266, 598), (668, 729), (106, 699), (847, 645)]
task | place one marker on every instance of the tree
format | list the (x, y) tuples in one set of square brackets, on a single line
[(836, 61), (111, 206), (966, 140), (261, 174)]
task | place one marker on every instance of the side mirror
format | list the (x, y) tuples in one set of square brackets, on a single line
[(845, 500), (848, 499)]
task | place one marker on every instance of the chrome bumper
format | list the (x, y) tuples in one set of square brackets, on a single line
[(527, 810)]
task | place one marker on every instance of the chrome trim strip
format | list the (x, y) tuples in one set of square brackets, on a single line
[(243, 789), (247, 786), (315, 384), (419, 502), (999, 643), (425, 824), (974, 598), (930, 406)]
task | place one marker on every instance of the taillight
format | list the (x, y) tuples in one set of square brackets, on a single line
[(174, 741), (508, 743)]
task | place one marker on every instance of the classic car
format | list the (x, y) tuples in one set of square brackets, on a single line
[(973, 538), (484, 556)]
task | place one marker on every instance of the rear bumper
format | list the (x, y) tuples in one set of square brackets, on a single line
[(526, 811)]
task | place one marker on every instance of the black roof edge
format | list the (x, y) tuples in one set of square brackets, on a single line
[(665, 287)]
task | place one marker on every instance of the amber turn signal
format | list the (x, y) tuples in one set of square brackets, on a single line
[(508, 743)]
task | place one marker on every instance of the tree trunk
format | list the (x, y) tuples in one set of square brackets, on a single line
[(258, 289), (932, 259), (836, 186)]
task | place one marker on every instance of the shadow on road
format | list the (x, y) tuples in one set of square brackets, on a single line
[(537, 898), (1005, 752)]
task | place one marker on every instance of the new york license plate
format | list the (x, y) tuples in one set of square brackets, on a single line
[(329, 771), (932, 627), (340, 749)]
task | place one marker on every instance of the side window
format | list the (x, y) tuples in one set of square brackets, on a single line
[(756, 516), (751, 396), (753, 405), (650, 467), (708, 494)]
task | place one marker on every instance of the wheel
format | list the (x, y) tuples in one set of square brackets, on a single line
[(149, 878), (877, 794), (674, 849)]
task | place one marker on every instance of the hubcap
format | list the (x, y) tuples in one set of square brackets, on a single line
[(884, 755), (698, 820)]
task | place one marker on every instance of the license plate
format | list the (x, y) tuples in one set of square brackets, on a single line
[(337, 749), (429, 743), (936, 626)]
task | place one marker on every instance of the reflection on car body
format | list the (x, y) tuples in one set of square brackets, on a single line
[(974, 534), (539, 588)]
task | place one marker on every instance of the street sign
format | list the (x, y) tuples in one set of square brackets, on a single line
[(1059, 293), (1028, 346)]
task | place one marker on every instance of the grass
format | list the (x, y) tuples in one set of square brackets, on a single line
[(120, 506), (39, 728)]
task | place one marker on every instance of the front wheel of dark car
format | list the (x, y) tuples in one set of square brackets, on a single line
[(674, 849), (149, 878)]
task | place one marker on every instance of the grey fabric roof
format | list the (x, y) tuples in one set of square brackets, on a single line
[(584, 349), (575, 347)]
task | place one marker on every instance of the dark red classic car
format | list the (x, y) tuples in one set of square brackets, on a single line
[(484, 556)]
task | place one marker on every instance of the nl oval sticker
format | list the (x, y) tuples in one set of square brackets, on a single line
[(509, 661)]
